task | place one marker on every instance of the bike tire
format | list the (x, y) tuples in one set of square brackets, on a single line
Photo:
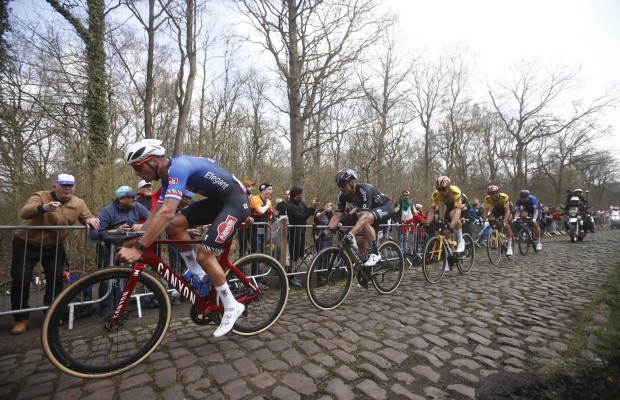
[(494, 247), (329, 278), (434, 260), (524, 239), (572, 233), (263, 311), (388, 273), (467, 256), (92, 348)]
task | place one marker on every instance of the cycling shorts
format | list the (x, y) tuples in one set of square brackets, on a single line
[(224, 215)]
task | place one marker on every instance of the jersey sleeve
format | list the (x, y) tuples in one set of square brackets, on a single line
[(434, 198)]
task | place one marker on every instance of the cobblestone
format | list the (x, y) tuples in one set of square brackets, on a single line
[(423, 341)]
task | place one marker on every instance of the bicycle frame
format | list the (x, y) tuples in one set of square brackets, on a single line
[(208, 306)]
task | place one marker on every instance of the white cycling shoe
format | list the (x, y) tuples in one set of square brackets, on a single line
[(538, 245), (228, 320), (509, 251), (372, 260)]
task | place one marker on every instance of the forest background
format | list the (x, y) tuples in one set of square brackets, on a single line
[(287, 92)]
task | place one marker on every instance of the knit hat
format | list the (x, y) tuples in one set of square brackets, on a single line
[(296, 190)]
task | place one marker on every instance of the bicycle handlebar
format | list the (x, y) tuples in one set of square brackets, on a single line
[(117, 239)]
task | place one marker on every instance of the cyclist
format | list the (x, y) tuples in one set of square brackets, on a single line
[(499, 206), (224, 209), (373, 208), (528, 206), (449, 195)]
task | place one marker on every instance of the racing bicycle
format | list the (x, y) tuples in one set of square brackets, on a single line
[(497, 243), (525, 236), (330, 276), (108, 343), (440, 252)]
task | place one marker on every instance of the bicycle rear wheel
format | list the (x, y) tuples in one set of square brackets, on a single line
[(329, 278), (523, 238), (494, 247), (88, 346), (388, 273), (261, 312), (434, 259), (467, 257)]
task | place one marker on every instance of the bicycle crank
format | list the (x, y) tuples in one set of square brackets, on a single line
[(200, 318)]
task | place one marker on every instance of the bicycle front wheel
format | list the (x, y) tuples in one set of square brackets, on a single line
[(523, 238), (329, 278), (262, 311), (434, 259), (89, 346), (494, 247), (467, 257), (388, 273)]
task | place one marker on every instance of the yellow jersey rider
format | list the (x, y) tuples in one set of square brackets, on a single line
[(499, 204), (449, 195)]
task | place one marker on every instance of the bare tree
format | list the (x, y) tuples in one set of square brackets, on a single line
[(429, 92), (151, 22), (311, 42), (383, 79), (526, 105)]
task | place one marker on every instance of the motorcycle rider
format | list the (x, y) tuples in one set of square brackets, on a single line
[(588, 221)]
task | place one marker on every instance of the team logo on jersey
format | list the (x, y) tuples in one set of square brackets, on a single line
[(173, 181), (225, 229)]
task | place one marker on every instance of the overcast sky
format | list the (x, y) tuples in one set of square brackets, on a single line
[(582, 33)]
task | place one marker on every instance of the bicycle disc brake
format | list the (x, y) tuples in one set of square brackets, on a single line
[(200, 318)]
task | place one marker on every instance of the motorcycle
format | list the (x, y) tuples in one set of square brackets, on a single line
[(576, 230)]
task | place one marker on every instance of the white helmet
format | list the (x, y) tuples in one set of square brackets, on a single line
[(143, 150)]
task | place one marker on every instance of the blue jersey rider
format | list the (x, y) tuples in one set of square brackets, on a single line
[(224, 208), (528, 206)]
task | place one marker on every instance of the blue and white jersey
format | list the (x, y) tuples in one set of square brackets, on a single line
[(199, 175), (529, 206)]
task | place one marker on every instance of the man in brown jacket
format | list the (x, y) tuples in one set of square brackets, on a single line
[(57, 207)]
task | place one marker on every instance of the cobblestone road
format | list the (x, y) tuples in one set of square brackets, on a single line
[(424, 341)]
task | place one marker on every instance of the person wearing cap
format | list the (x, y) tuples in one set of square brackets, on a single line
[(298, 213), (58, 207), (262, 211), (124, 213), (145, 191)]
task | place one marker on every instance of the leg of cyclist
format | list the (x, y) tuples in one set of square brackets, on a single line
[(508, 231), (537, 230), (457, 226), (195, 274), (224, 218), (368, 241)]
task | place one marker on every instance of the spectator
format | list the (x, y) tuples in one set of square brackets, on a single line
[(321, 218), (145, 193), (124, 213), (281, 205), (261, 211), (404, 212), (58, 207), (243, 232), (472, 218), (298, 213)]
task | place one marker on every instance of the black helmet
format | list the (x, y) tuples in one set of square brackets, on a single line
[(524, 193), (344, 176)]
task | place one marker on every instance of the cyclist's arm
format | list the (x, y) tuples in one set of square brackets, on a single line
[(157, 222)]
